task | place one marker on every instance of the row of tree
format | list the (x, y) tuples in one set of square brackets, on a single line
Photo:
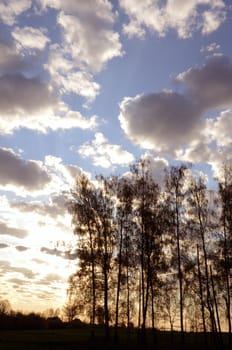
[(49, 319), (153, 255)]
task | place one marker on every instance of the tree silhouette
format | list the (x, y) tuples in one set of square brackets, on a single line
[(225, 193), (124, 234), (143, 248), (200, 221), (175, 195), (83, 217), (92, 211)]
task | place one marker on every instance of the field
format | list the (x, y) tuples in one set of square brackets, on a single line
[(80, 339)]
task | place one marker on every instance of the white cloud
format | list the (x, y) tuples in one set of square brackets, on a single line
[(88, 43), (67, 78), (102, 8), (105, 154), (30, 38), (211, 50), (47, 121), (142, 15), (212, 20), (74, 119), (221, 129), (9, 12), (184, 17), (133, 29), (89, 40)]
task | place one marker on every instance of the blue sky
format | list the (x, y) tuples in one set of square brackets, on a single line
[(91, 86)]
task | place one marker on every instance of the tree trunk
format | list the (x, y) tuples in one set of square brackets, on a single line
[(93, 285), (128, 296), (118, 282), (201, 292), (106, 310), (216, 307), (180, 277)]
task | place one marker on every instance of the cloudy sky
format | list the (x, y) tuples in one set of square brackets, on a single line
[(91, 86)]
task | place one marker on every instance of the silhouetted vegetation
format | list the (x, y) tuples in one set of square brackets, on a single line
[(69, 339), (150, 256), (154, 255), (11, 320)]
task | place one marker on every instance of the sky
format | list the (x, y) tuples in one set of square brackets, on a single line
[(92, 86)]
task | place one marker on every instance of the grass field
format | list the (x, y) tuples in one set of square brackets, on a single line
[(80, 339)]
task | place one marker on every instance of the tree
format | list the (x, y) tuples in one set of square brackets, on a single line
[(104, 222), (134, 239), (200, 216), (148, 236), (225, 193), (51, 313), (175, 196), (5, 307), (124, 232), (84, 219), (92, 210)]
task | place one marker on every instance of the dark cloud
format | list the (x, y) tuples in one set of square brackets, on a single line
[(56, 207), (39, 261), (10, 61), (5, 267), (68, 255), (210, 85), (73, 170), (50, 278), (18, 282), (165, 120), (21, 248), (12, 231), (24, 173), (23, 96), (3, 245)]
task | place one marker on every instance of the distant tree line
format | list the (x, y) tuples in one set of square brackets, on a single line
[(153, 255), (16, 320)]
